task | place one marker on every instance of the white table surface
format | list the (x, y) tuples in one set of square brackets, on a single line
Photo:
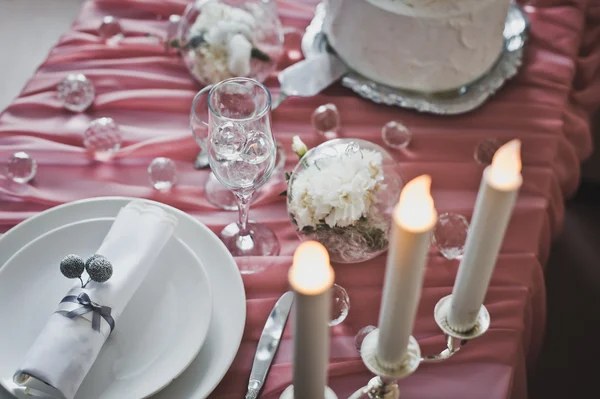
[(28, 30)]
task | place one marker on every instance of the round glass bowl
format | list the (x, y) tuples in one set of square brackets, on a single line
[(342, 194), (221, 39)]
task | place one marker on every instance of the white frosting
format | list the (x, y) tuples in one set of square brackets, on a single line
[(423, 45)]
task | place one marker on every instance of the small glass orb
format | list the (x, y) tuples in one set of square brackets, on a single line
[(21, 167), (110, 30), (326, 121), (360, 336), (340, 305), (172, 31), (258, 148), (76, 92), (102, 137), (450, 235), (228, 141), (485, 150), (242, 173), (162, 173), (395, 135)]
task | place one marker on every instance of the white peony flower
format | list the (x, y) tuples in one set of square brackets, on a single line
[(211, 64), (228, 33), (338, 192), (239, 53), (298, 146)]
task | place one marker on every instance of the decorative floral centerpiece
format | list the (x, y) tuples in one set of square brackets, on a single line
[(221, 39), (342, 194)]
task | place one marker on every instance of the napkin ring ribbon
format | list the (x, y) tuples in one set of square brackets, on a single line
[(87, 305)]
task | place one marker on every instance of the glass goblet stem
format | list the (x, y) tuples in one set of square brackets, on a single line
[(243, 200)]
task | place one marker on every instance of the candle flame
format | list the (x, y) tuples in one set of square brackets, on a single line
[(416, 210), (311, 272), (505, 172)]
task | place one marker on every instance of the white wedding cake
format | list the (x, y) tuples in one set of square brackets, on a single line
[(420, 45)]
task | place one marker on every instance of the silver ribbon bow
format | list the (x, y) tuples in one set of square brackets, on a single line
[(87, 305)]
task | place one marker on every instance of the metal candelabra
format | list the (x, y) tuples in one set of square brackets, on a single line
[(384, 385)]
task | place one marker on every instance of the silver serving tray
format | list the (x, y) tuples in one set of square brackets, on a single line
[(458, 101)]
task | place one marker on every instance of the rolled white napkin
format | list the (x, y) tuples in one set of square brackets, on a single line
[(66, 349)]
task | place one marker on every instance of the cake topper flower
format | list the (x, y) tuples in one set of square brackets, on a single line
[(98, 268)]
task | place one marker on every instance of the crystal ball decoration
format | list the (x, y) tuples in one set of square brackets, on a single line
[(450, 235), (102, 137), (326, 121), (21, 167), (110, 30), (257, 148), (395, 135), (360, 336), (340, 305), (76, 92), (162, 173), (485, 150), (229, 141)]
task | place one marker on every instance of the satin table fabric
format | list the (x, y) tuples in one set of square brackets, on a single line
[(149, 94)]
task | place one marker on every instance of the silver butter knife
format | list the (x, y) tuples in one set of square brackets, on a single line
[(268, 344)]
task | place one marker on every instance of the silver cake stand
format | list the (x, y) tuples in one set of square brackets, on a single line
[(457, 101)]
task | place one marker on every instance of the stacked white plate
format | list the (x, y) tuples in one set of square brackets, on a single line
[(176, 338)]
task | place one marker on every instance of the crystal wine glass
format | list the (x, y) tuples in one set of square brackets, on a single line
[(241, 153)]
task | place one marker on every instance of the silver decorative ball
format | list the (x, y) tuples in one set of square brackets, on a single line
[(99, 269), (90, 259), (72, 266)]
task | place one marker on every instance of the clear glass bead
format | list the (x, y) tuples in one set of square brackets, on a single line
[(360, 336), (485, 150), (21, 167), (102, 137), (172, 31), (76, 92), (228, 141), (395, 135), (110, 30), (257, 148), (340, 305), (242, 173), (450, 235), (162, 173), (326, 121)]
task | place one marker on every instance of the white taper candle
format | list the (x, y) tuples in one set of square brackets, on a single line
[(495, 201), (311, 277), (413, 221)]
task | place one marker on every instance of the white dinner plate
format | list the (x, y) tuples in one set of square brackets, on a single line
[(159, 333), (229, 301)]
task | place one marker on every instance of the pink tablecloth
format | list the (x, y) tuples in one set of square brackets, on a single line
[(149, 94)]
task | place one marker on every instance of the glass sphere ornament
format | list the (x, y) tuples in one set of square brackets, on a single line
[(485, 150), (325, 120), (21, 167), (110, 30), (102, 138), (162, 173), (221, 39), (340, 305), (342, 194), (76, 92), (450, 235), (360, 336), (395, 135)]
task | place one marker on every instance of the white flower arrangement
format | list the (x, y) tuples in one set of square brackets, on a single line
[(335, 198), (222, 41)]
